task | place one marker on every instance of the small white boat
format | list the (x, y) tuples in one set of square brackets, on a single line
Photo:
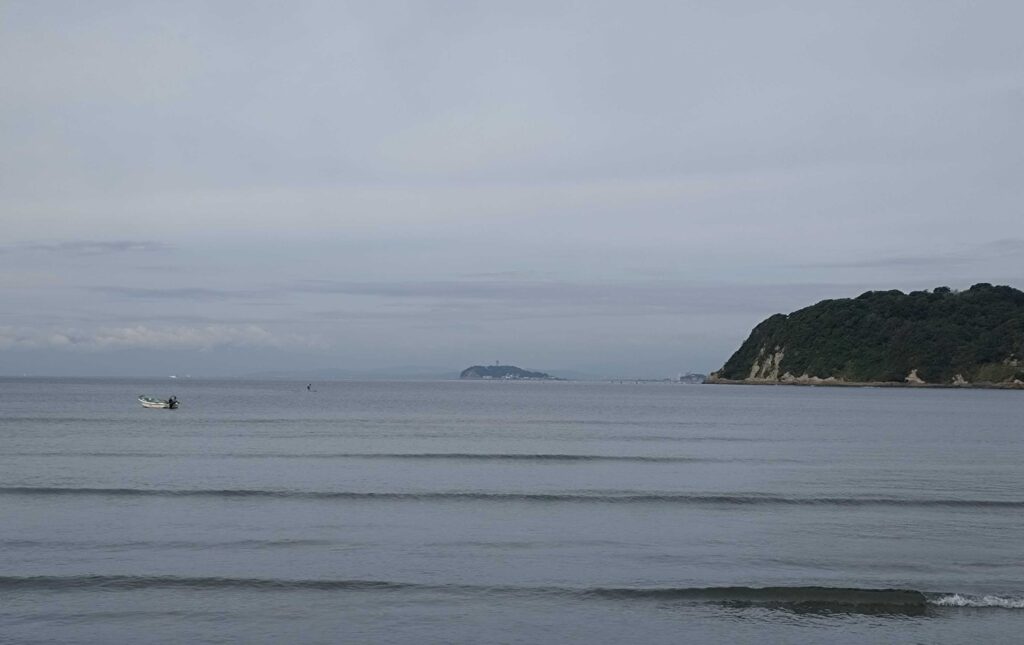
[(166, 404)]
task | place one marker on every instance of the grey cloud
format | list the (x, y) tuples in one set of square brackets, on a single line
[(182, 293), (95, 247), (896, 262), (142, 336), (512, 299), (1005, 247), (512, 274), (617, 297), (997, 249)]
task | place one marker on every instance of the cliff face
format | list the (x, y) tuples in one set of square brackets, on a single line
[(937, 337)]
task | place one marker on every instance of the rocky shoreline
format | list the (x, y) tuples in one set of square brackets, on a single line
[(815, 381)]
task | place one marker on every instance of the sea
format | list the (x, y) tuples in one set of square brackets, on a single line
[(508, 512)]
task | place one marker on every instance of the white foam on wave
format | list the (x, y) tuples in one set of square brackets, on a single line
[(958, 600)]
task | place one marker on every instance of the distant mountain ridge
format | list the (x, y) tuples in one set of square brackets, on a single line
[(938, 337), (501, 372)]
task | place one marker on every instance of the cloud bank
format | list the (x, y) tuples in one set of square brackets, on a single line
[(142, 337)]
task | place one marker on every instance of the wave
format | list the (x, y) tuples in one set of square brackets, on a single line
[(816, 597), (490, 434), (116, 583), (177, 544), (822, 597), (455, 456), (599, 497), (983, 601), (838, 598)]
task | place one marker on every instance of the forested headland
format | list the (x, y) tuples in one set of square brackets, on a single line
[(938, 337)]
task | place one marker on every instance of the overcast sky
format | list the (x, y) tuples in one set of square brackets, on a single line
[(620, 188)]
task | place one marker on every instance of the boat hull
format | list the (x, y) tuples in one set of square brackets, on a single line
[(157, 404)]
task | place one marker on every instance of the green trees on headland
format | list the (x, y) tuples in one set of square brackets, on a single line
[(939, 336), (500, 372)]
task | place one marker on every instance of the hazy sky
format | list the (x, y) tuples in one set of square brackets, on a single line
[(621, 188)]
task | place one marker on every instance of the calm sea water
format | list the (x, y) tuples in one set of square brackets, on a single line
[(487, 512)]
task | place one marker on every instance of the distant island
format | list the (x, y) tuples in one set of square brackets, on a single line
[(507, 372), (972, 338)]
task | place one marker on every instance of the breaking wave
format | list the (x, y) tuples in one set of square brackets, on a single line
[(984, 601), (825, 598)]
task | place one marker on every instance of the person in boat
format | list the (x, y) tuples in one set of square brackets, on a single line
[(173, 401)]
